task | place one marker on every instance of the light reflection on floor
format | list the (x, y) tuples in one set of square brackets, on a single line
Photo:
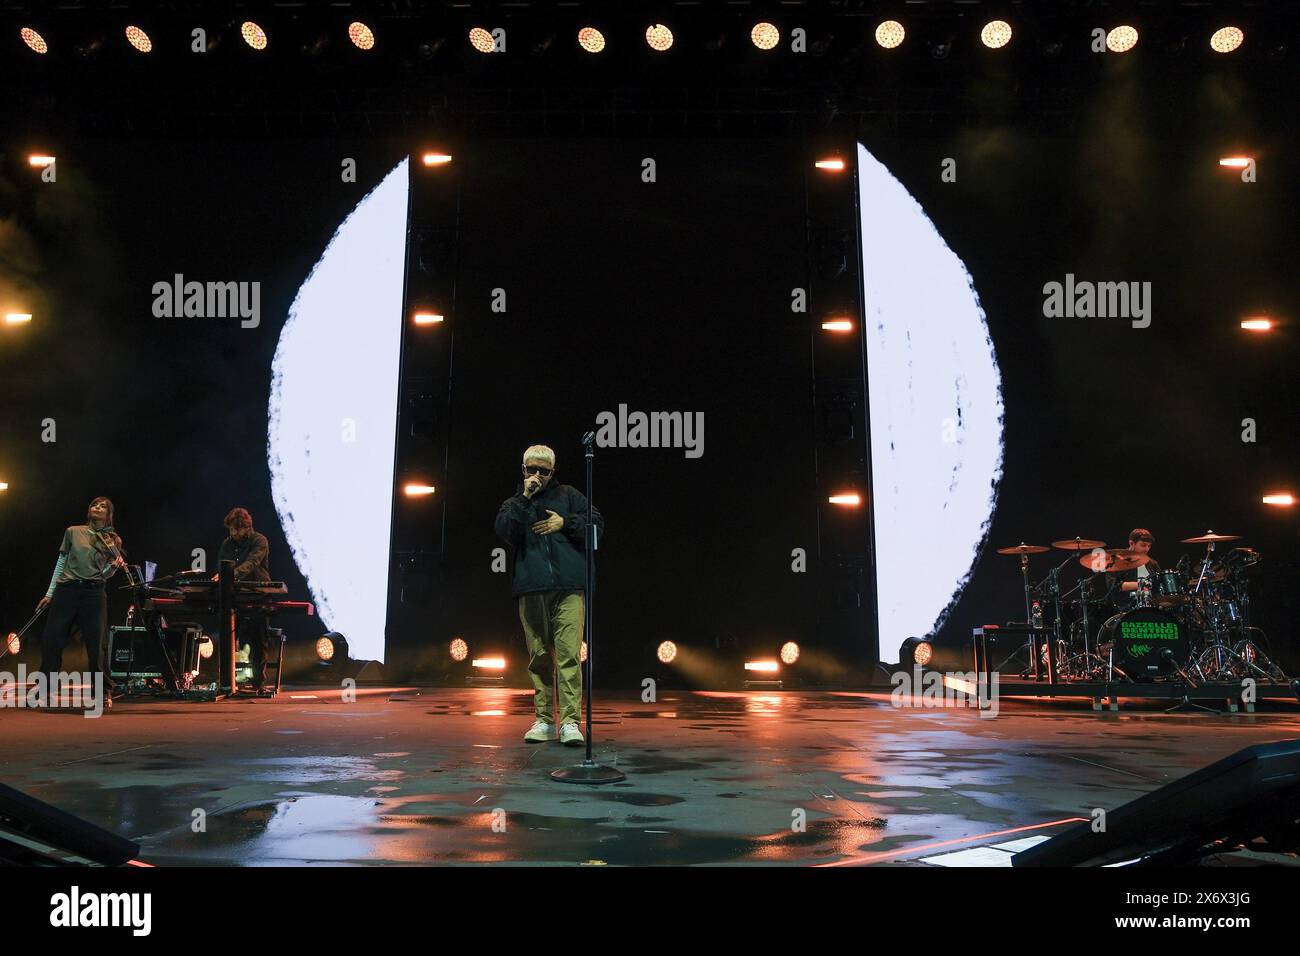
[(421, 776)]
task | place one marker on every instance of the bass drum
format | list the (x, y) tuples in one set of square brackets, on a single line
[(1148, 642)]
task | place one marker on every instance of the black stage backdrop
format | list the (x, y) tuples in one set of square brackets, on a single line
[(672, 295), (1107, 427)]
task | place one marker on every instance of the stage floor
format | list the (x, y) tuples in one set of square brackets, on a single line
[(441, 776)]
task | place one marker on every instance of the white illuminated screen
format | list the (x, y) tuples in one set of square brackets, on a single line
[(935, 395), (331, 438)]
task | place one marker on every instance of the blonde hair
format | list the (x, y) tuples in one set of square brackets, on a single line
[(541, 453)]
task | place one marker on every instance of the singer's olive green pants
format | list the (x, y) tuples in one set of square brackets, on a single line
[(553, 623)]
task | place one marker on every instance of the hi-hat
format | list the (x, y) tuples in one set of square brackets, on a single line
[(1114, 560), (1023, 548), (1210, 537), (1079, 544)]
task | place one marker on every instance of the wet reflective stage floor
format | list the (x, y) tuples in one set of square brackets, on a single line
[(442, 776)]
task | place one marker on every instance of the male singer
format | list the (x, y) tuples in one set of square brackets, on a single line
[(546, 525)]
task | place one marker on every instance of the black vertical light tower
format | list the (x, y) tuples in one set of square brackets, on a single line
[(589, 771), (416, 592), (846, 607)]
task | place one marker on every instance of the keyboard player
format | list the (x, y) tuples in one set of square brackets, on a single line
[(249, 550)]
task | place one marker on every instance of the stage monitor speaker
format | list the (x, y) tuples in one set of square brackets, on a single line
[(33, 833), (1251, 797)]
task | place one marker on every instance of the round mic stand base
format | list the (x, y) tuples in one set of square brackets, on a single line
[(588, 772)]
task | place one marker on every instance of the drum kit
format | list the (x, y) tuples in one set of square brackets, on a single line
[(1190, 622)]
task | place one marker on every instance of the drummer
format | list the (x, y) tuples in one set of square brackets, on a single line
[(1123, 584)]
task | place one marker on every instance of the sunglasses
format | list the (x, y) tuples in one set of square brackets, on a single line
[(537, 470)]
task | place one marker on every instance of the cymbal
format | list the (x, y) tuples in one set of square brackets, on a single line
[(1079, 544), (1023, 548), (1239, 559), (1210, 537), (1115, 559)]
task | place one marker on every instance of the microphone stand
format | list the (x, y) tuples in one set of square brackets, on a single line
[(589, 771)]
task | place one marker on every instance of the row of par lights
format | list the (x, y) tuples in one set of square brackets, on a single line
[(251, 32), (666, 652), (889, 35), (330, 646)]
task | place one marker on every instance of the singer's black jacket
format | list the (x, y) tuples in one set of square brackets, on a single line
[(547, 562)]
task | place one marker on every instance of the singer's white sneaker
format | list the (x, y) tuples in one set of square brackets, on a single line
[(571, 736), (540, 732)]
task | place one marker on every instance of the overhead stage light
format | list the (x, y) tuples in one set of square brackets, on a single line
[(1226, 39), (139, 39), (253, 35), (39, 159), (996, 34), (591, 40), (458, 649), (765, 35), (435, 159), (1235, 162), (846, 500), (1121, 39), (659, 37), (427, 318), (1259, 324), (17, 318), (837, 325), (666, 652), (35, 42), (481, 40), (413, 490), (830, 165), (362, 37), (1280, 500), (789, 652), (889, 34)]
